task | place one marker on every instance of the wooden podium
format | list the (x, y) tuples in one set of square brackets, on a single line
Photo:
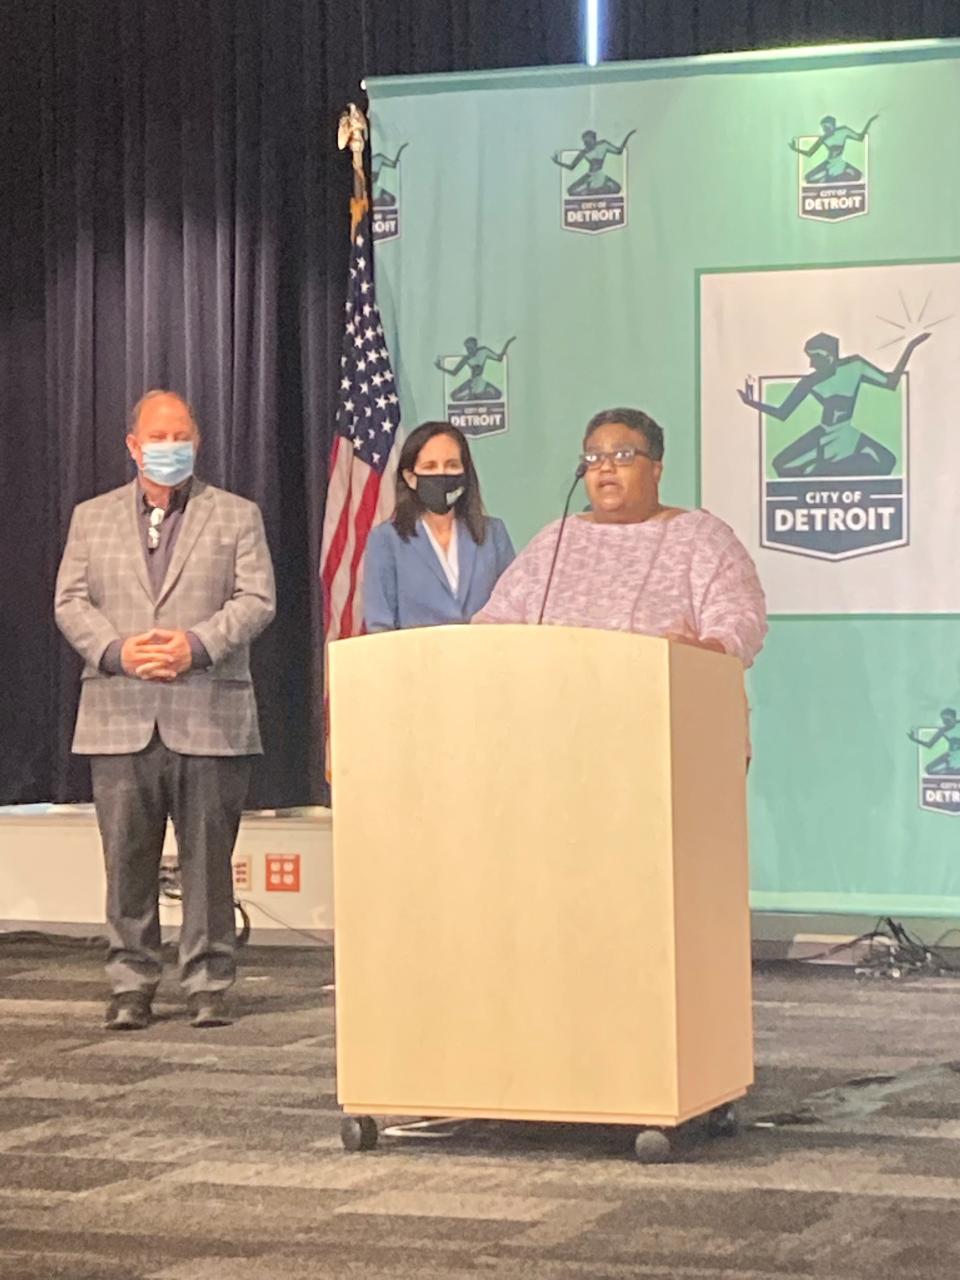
[(540, 867)]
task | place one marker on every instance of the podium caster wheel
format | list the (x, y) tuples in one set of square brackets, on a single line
[(358, 1133), (722, 1122), (652, 1146)]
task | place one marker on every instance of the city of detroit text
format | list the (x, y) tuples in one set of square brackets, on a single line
[(939, 796), (833, 510)]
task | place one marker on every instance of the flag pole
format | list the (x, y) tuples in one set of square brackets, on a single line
[(352, 132), (363, 457)]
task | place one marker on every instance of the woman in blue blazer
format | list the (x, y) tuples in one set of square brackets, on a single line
[(438, 559)]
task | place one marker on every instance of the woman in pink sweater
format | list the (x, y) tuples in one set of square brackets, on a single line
[(632, 564)]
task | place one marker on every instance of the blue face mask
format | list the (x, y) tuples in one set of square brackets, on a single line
[(168, 463)]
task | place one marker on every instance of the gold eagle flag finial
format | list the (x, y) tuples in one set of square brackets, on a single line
[(352, 131)]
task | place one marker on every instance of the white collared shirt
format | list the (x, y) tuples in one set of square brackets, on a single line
[(449, 559)]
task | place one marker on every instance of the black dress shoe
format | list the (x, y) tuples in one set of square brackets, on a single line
[(208, 1009), (129, 1011)]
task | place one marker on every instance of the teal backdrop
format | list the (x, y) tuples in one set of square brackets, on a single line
[(689, 252)]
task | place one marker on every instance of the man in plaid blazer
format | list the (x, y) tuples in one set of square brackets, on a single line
[(163, 585)]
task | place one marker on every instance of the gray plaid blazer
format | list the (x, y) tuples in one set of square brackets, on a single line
[(219, 586)]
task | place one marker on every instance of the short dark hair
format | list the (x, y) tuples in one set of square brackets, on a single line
[(636, 420), (409, 508)]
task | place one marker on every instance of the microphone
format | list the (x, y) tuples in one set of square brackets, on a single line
[(578, 475)]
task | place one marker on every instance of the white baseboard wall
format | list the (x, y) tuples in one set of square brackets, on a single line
[(51, 880)]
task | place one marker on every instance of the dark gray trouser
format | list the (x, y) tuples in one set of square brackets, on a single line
[(203, 795)]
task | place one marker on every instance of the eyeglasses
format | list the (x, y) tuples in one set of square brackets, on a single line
[(624, 457)]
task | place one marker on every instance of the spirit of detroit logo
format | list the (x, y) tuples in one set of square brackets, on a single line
[(595, 200), (868, 512), (385, 201), (834, 188), (477, 406), (939, 763)]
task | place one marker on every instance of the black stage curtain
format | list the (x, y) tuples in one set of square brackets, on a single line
[(459, 35), (637, 29), (173, 212)]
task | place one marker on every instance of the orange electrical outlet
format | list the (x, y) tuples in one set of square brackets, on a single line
[(283, 872)]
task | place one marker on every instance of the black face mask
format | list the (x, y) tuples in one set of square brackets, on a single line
[(439, 494)]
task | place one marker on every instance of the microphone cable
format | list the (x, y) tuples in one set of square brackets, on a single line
[(577, 477)]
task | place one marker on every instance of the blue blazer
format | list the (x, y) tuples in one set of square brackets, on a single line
[(404, 584)]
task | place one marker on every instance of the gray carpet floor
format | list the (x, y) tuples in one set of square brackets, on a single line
[(177, 1154)]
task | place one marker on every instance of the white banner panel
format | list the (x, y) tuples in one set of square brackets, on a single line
[(829, 403)]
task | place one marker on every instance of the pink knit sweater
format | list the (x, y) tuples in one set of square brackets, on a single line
[(657, 577)]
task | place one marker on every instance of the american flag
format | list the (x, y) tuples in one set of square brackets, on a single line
[(363, 462)]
